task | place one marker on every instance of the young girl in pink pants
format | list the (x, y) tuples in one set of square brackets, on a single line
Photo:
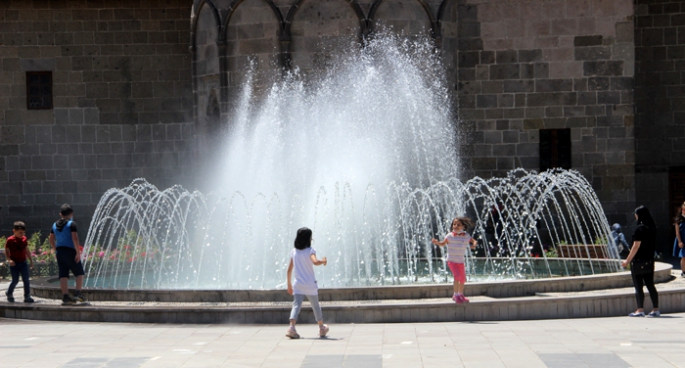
[(457, 241)]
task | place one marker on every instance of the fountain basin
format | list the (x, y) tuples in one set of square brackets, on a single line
[(49, 288)]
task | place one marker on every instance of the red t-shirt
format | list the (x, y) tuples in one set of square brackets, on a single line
[(17, 248)]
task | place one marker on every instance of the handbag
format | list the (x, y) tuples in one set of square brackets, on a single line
[(642, 266)]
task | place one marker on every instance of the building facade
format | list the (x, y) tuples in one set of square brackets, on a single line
[(140, 87)]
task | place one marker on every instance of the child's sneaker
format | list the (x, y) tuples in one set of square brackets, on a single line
[(28, 299), (9, 296), (464, 299), (80, 298), (323, 330), (68, 300), (637, 314), (654, 314), (458, 298), (454, 297), (292, 333)]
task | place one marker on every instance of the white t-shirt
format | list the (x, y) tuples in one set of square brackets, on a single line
[(303, 271)]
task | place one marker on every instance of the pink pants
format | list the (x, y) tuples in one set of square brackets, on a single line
[(458, 271)]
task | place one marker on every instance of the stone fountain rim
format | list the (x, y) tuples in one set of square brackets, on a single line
[(48, 288)]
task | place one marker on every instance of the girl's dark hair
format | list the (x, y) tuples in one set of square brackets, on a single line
[(467, 222), (679, 216), (645, 217), (304, 238)]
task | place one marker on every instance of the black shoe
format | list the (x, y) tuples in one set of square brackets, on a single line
[(10, 298), (80, 298), (28, 299), (68, 300)]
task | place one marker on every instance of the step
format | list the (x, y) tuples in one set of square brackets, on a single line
[(549, 305)]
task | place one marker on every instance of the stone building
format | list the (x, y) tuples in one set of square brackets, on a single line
[(140, 86)]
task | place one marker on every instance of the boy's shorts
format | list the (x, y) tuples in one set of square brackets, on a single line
[(66, 261)]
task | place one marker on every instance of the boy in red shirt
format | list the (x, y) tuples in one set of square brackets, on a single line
[(16, 250)]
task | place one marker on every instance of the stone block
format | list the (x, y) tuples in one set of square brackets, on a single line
[(12, 135), (553, 85), (91, 116), (506, 57), (598, 83), (75, 116), (468, 59), (534, 112), (541, 70), (487, 57), (513, 86), (504, 71), (603, 68), (503, 150), (516, 113), (652, 36), (593, 53), (529, 56), (594, 40), (621, 83), (527, 71), (554, 111), (595, 110), (506, 100), (494, 114), (484, 163), (587, 98)]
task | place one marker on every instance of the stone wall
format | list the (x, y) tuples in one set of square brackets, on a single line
[(531, 65), (660, 106), (122, 103), (130, 95)]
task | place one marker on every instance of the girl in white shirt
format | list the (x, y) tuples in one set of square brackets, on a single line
[(457, 241), (302, 260)]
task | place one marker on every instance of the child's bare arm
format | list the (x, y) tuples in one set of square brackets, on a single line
[(473, 243), (28, 256), (439, 243), (7, 256), (318, 262), (290, 276), (52, 242)]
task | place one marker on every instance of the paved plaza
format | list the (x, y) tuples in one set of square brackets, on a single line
[(599, 342)]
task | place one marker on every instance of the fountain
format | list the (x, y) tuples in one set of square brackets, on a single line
[(366, 156)]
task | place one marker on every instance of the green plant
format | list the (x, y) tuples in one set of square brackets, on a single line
[(601, 240), (551, 253)]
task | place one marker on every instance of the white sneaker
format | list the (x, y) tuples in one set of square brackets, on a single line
[(323, 330), (292, 333)]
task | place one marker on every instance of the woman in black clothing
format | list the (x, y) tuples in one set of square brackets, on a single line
[(641, 259)]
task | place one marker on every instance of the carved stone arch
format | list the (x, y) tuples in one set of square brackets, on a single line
[(363, 20), (319, 30), (235, 3), (195, 16), (441, 10), (435, 28)]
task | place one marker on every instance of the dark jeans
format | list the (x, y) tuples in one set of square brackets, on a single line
[(23, 270), (639, 281)]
